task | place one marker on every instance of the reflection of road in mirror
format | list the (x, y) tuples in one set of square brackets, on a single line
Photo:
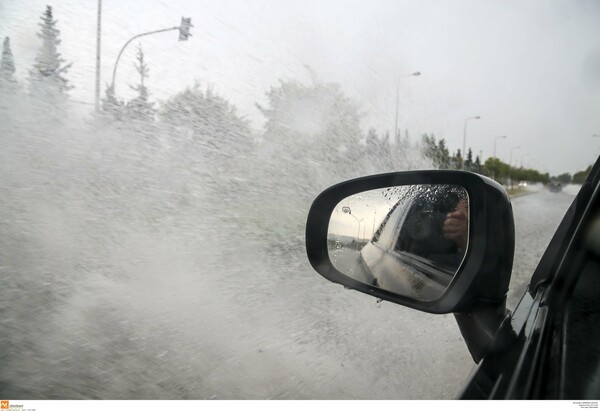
[(410, 240)]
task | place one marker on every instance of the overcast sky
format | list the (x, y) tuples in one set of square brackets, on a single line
[(530, 69)]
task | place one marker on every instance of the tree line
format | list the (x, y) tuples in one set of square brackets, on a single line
[(317, 121), (440, 155)]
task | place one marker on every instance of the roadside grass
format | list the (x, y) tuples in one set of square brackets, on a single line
[(515, 191)]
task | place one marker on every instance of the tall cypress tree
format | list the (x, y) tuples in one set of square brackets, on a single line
[(443, 155), (477, 165), (458, 160), (47, 80), (9, 87), (112, 105), (7, 65), (469, 160), (140, 107)]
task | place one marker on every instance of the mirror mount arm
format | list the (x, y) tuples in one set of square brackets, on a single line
[(479, 326)]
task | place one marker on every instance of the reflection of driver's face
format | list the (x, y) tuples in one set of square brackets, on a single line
[(456, 225)]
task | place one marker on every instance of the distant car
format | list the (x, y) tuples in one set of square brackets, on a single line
[(547, 347), (555, 187)]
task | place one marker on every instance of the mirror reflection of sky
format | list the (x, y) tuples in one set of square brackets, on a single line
[(360, 215), (368, 209)]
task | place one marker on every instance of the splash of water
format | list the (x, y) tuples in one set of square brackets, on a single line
[(148, 262)]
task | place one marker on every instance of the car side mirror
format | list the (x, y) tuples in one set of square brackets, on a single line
[(436, 241)]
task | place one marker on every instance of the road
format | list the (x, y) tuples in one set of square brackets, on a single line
[(240, 319), (537, 216)]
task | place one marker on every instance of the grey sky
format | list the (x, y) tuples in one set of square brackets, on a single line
[(530, 69)]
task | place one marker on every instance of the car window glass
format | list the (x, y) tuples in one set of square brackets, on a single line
[(388, 230)]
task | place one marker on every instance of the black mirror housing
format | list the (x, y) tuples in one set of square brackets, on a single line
[(484, 274)]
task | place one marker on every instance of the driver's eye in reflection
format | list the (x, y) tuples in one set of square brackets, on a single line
[(456, 225)]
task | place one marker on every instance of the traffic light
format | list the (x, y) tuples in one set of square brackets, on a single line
[(184, 29)]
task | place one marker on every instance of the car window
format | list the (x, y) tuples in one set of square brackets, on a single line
[(158, 161), (387, 234)]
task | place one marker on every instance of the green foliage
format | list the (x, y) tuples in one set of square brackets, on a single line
[(318, 113), (7, 65), (437, 152), (47, 77), (580, 176), (477, 165), (469, 161), (10, 91), (564, 178), (111, 105), (209, 121), (496, 169), (316, 127), (503, 172), (457, 160), (493, 167), (527, 174), (140, 108)]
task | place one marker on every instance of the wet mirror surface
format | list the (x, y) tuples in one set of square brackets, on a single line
[(409, 240)]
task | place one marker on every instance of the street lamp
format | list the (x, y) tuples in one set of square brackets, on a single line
[(415, 74), (522, 157), (495, 140), (374, 216), (348, 211), (184, 33), (510, 164), (511, 154), (465, 138), (98, 44), (364, 228)]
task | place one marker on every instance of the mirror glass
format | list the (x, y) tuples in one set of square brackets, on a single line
[(410, 240)]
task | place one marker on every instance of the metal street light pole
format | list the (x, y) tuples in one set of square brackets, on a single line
[(510, 164), (98, 34), (364, 228), (184, 33), (511, 154), (595, 135), (495, 140), (374, 216), (348, 211), (415, 74), (464, 155)]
